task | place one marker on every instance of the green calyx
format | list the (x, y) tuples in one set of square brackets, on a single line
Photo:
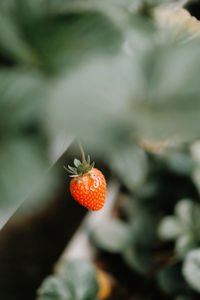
[(80, 168)]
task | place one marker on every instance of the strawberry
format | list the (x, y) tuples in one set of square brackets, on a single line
[(88, 187)]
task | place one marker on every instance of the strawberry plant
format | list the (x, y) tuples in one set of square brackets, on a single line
[(141, 237)]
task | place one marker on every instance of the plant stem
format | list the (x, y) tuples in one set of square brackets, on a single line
[(82, 153)]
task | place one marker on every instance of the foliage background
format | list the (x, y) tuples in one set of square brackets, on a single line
[(109, 73)]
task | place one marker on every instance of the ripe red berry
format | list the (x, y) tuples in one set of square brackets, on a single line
[(88, 187)]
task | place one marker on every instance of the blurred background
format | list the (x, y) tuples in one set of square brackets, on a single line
[(121, 76)]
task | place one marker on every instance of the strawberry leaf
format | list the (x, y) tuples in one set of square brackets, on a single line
[(113, 236), (77, 281), (76, 162)]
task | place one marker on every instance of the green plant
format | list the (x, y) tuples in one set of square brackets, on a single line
[(77, 281), (108, 72), (138, 238), (66, 65)]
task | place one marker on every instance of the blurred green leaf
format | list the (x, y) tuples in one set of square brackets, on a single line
[(129, 162), (183, 210), (184, 244), (187, 217), (72, 39), (169, 228), (180, 163), (143, 229), (95, 94), (191, 269), (139, 259), (53, 288), (80, 277), (18, 49), (22, 155), (188, 213), (113, 236), (21, 92), (170, 94), (77, 281), (171, 280), (45, 39), (132, 92), (22, 166), (184, 227), (64, 41)]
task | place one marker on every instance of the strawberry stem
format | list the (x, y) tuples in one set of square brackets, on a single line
[(82, 153)]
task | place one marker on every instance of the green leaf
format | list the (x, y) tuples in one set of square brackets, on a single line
[(129, 162), (184, 244), (12, 44), (77, 281), (139, 259), (133, 92), (188, 213), (72, 110), (80, 277), (65, 42), (53, 288), (76, 162), (143, 230), (51, 40), (183, 210), (184, 226), (171, 92), (112, 236), (21, 92), (171, 280), (169, 228), (180, 163), (191, 269), (22, 166)]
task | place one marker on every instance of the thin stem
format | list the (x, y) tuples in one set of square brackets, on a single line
[(82, 153)]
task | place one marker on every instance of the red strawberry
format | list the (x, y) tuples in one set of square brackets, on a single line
[(88, 187)]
